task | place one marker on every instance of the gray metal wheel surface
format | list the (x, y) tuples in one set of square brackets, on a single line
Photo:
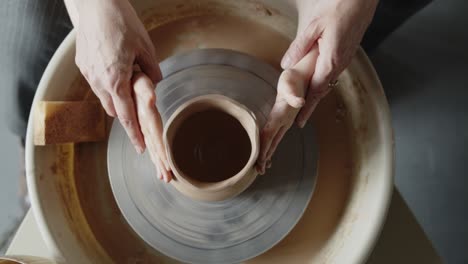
[(228, 231)]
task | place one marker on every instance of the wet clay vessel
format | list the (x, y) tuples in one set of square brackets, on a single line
[(203, 216), (212, 145)]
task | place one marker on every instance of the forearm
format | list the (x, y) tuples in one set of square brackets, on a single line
[(76, 8)]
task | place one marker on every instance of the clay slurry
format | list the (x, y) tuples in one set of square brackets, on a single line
[(211, 146)]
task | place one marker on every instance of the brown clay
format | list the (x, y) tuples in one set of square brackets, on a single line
[(212, 143), (211, 146)]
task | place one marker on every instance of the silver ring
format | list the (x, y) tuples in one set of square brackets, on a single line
[(333, 84)]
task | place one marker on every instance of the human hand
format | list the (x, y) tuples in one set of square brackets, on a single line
[(292, 87), (110, 42), (336, 27), (329, 34), (150, 123)]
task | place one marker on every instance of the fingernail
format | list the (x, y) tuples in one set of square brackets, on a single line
[(268, 164)]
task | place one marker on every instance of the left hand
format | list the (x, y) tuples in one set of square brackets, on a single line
[(329, 34)]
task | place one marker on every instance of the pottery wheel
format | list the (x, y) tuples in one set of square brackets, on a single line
[(228, 231)]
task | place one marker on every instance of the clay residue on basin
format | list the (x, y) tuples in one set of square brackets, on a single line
[(329, 200), (216, 31)]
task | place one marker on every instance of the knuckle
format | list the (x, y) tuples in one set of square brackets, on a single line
[(150, 97), (113, 81), (289, 77), (119, 90), (127, 122), (116, 81), (297, 47)]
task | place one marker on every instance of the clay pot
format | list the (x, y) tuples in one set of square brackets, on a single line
[(198, 153)]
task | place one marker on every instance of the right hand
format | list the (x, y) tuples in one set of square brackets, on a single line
[(111, 42)]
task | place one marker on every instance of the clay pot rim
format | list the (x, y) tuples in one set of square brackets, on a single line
[(217, 101)]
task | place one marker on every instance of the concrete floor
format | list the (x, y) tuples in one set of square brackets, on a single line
[(422, 67), (10, 208)]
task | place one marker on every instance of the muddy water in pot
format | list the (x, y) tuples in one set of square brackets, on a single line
[(330, 119)]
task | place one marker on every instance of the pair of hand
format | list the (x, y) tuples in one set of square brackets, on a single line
[(117, 58)]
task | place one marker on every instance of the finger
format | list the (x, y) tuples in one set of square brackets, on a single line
[(149, 117), (293, 82), (269, 131), (150, 67), (163, 173), (126, 112), (318, 87), (166, 175), (266, 138), (290, 87), (275, 122), (104, 97), (258, 167), (301, 45), (276, 140), (106, 102)]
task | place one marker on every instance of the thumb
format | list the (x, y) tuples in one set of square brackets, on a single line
[(291, 88), (293, 82)]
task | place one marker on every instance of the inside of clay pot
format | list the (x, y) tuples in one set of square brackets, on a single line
[(211, 146), (212, 140)]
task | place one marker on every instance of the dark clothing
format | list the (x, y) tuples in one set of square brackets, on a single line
[(30, 32)]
